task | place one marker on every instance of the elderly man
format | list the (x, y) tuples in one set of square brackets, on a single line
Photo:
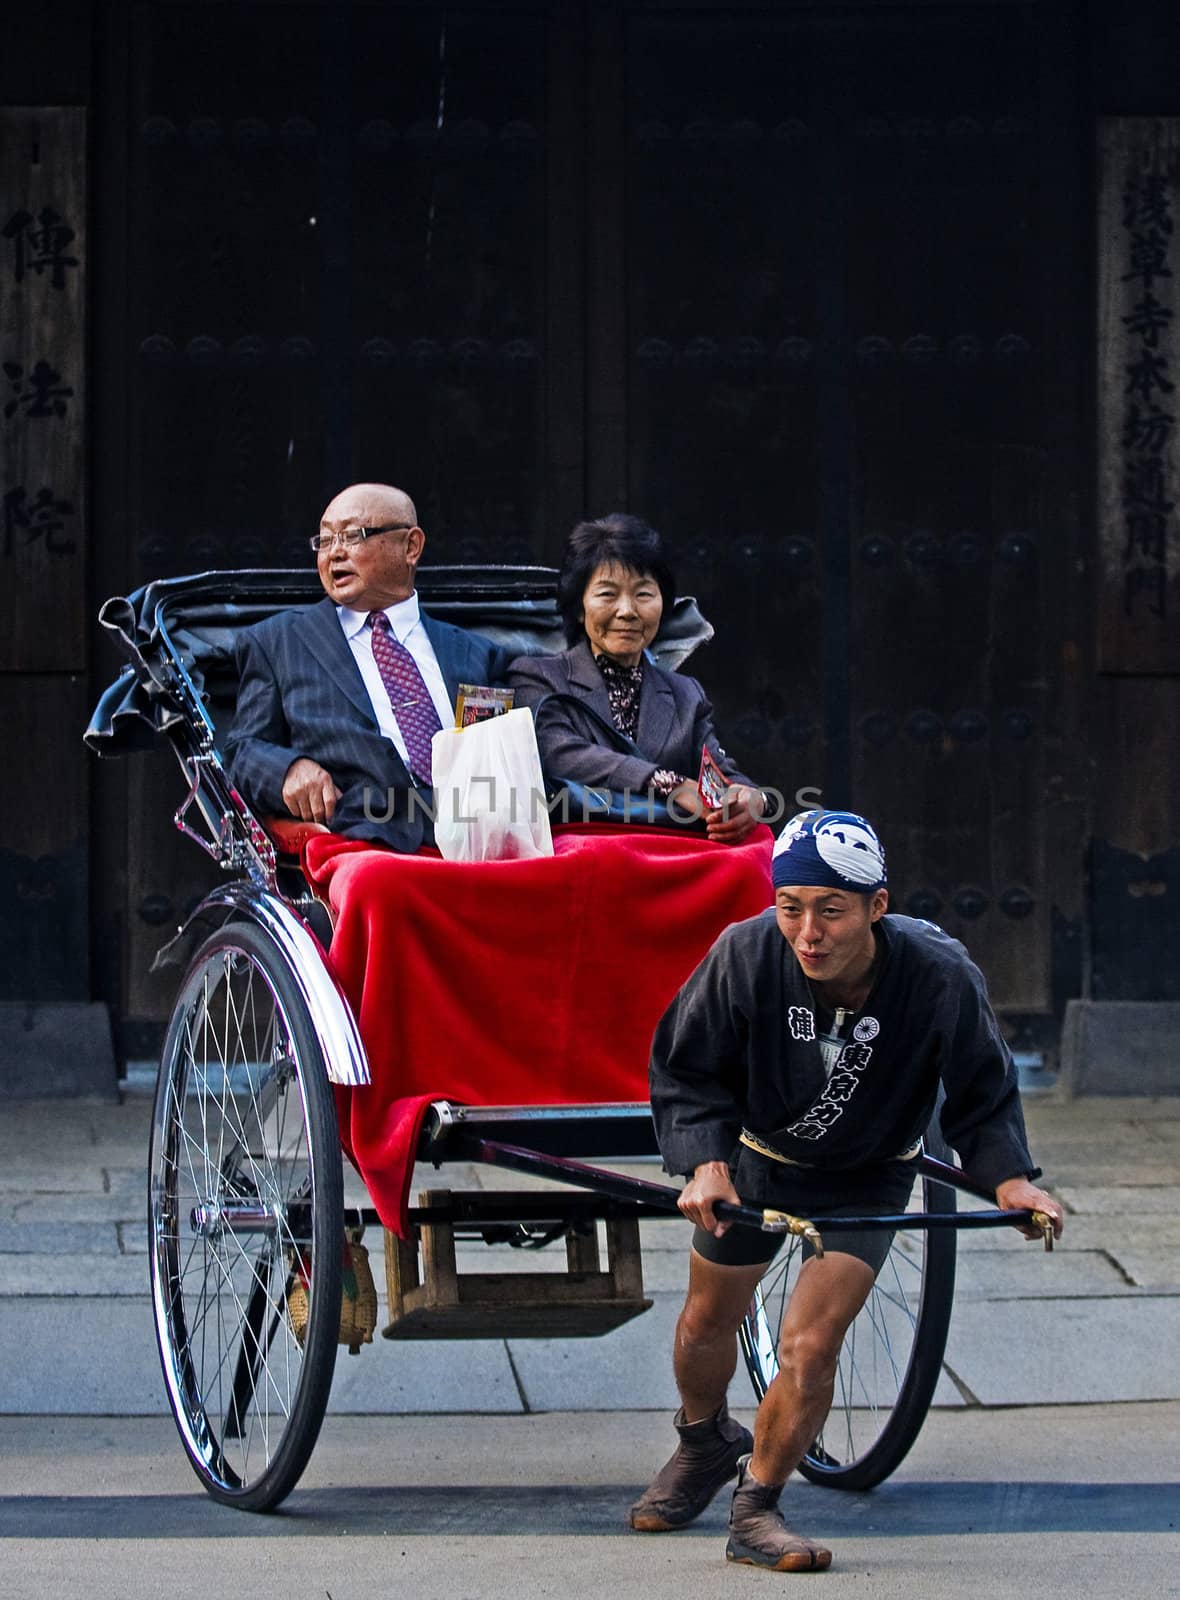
[(798, 1066), (338, 702)]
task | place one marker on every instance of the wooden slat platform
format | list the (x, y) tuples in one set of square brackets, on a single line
[(430, 1299)]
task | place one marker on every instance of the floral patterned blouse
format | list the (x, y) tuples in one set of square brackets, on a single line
[(623, 686)]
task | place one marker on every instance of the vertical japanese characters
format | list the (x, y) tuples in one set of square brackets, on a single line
[(42, 351), (1148, 420), (1138, 363)]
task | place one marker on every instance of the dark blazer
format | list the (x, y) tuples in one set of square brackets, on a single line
[(301, 694), (675, 721)]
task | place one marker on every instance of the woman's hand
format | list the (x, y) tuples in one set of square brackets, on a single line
[(709, 1183), (737, 817)]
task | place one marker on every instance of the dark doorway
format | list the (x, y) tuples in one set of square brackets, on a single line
[(797, 284)]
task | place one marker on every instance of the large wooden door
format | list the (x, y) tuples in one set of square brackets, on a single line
[(779, 280), (842, 386), (339, 267)]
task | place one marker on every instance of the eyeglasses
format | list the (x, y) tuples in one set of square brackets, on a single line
[(351, 537)]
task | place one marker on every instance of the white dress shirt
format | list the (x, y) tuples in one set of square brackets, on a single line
[(406, 622)]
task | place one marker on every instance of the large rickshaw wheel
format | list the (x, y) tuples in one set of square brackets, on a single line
[(245, 1206), (892, 1354)]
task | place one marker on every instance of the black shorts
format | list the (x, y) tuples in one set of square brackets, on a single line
[(882, 1190)]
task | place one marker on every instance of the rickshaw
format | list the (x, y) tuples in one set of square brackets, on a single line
[(250, 1242)]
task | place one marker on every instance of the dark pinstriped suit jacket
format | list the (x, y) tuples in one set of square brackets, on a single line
[(301, 694)]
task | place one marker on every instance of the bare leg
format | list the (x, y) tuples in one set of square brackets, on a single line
[(826, 1300), (705, 1351), (711, 1441)]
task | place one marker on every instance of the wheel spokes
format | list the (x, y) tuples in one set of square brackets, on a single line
[(238, 1134), (875, 1355)]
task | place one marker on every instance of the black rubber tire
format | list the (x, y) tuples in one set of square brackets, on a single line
[(244, 1117), (905, 1323)]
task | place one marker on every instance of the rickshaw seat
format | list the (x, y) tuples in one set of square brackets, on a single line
[(289, 835), (196, 620)]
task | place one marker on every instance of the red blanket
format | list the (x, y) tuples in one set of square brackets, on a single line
[(516, 982)]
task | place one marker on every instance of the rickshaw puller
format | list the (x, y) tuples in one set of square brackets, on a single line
[(798, 1067)]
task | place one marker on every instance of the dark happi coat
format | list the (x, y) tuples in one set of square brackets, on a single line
[(738, 1047)]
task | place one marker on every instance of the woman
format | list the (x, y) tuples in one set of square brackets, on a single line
[(613, 588)]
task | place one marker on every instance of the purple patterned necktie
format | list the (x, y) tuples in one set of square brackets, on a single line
[(408, 694)]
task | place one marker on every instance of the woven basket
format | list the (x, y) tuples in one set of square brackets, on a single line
[(358, 1301)]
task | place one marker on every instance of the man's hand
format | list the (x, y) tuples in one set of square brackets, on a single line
[(1018, 1194), (738, 817), (709, 1183), (309, 792)]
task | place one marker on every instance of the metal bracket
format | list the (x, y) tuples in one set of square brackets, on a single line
[(1044, 1222), (784, 1222), (223, 847), (253, 854)]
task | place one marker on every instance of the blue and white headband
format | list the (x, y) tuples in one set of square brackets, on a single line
[(829, 849)]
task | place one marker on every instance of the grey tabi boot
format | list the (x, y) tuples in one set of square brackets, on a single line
[(706, 1457), (759, 1537)]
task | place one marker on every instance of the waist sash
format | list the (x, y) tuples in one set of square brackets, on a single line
[(754, 1141)]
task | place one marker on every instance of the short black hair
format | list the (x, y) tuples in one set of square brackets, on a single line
[(620, 540)]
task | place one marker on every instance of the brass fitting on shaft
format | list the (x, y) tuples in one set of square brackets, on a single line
[(784, 1222), (1044, 1222)]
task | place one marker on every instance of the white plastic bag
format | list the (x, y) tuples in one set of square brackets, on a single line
[(489, 795)]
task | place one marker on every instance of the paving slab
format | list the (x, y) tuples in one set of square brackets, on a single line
[(996, 1274), (30, 1174), (127, 1123), (128, 1185), (99, 1205), (134, 1239), (1080, 1168), (1149, 1269), (628, 1369), (65, 1275), (400, 1376), (74, 1238), (483, 1561), (1065, 1503), (97, 1357), (1161, 1132), (1067, 1352), (1142, 1200), (52, 1129), (77, 1356), (665, 1271), (1118, 1443), (1111, 1233), (1100, 1110)]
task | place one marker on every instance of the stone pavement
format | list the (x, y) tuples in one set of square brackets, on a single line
[(1098, 1320), (1051, 1502)]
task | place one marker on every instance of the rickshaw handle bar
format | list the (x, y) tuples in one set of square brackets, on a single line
[(664, 1199), (943, 1171), (660, 1196)]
